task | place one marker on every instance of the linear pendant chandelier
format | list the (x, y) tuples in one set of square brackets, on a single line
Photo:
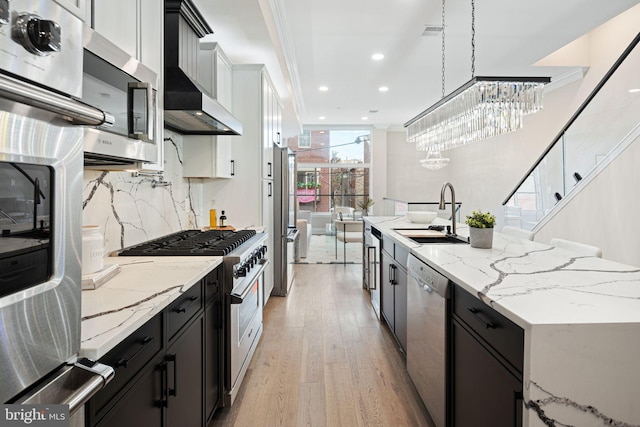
[(479, 109)]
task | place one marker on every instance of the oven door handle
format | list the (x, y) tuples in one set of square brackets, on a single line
[(239, 298), (78, 112)]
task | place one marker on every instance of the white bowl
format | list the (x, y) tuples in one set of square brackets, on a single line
[(421, 217)]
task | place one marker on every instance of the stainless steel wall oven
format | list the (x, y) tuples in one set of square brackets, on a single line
[(40, 205), (115, 82)]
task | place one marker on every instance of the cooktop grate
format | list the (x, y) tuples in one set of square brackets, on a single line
[(191, 243)]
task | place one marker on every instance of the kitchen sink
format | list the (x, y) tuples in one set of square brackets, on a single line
[(447, 239), (431, 235)]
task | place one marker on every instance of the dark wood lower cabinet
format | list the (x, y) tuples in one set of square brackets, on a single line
[(169, 371), (393, 295), (183, 364), (487, 356), (486, 393), (140, 406), (213, 335)]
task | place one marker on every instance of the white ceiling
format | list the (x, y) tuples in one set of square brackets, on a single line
[(309, 43)]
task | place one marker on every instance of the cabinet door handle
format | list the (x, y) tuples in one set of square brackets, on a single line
[(488, 323), (392, 274), (233, 167), (172, 358), (371, 272), (269, 193), (125, 362), (270, 171), (184, 308), (164, 380), (278, 138)]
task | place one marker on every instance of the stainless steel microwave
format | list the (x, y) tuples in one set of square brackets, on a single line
[(119, 84)]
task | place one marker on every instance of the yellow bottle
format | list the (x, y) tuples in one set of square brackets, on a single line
[(212, 218)]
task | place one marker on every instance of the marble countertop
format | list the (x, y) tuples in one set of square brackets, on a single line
[(580, 315), (529, 282), (144, 286)]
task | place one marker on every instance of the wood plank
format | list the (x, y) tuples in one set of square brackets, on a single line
[(311, 408)]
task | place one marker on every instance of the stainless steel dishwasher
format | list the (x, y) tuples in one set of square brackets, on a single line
[(427, 292)]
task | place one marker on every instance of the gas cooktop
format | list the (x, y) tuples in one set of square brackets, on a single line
[(192, 243)]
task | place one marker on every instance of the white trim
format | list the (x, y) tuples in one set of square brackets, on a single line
[(566, 78), (279, 12)]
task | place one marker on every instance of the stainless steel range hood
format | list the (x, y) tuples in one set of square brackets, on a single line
[(187, 109)]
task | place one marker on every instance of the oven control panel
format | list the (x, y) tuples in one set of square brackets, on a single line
[(256, 257), (42, 42)]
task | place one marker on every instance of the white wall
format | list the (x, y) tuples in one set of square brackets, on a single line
[(604, 213), (378, 171), (484, 173)]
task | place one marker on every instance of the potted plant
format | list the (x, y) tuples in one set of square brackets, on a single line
[(365, 204), (481, 229)]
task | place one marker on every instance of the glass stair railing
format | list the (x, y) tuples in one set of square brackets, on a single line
[(604, 124)]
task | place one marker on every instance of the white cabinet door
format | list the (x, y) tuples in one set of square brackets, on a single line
[(207, 156), (215, 73), (267, 145), (151, 35), (77, 7), (224, 81), (267, 222), (135, 26), (117, 20)]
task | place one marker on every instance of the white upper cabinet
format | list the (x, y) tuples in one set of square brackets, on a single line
[(271, 110), (215, 73), (136, 26), (206, 156), (77, 7)]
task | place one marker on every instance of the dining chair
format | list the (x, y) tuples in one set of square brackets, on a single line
[(578, 248), (348, 231)]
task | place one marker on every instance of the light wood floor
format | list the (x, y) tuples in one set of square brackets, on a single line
[(325, 360)]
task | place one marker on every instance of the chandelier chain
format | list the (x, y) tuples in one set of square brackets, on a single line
[(473, 38), (443, 93)]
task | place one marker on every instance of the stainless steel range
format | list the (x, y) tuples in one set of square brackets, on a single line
[(244, 262)]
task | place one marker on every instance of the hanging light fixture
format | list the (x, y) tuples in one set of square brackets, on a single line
[(481, 108), (434, 159)]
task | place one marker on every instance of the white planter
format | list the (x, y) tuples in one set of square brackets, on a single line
[(481, 237)]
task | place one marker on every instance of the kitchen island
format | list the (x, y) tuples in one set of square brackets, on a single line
[(580, 316)]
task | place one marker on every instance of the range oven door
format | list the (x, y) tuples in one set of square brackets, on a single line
[(245, 329)]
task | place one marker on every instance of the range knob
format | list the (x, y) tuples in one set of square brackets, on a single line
[(239, 272), (37, 35)]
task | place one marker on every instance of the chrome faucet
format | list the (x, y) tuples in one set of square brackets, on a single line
[(453, 205)]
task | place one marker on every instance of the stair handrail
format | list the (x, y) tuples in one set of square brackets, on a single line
[(575, 116)]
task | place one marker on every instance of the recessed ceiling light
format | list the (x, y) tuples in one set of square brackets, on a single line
[(323, 88), (383, 89), (322, 117), (365, 118), (634, 90), (377, 56)]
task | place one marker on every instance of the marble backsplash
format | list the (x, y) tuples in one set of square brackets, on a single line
[(132, 209)]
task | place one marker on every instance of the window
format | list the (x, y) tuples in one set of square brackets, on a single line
[(333, 168), (304, 140)]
